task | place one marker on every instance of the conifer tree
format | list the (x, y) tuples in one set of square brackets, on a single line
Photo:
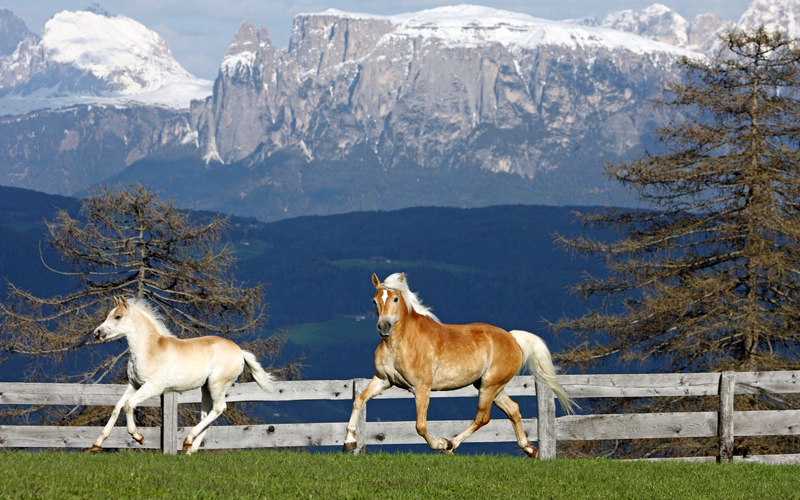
[(706, 277)]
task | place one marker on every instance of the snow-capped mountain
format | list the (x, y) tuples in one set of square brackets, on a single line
[(427, 85), (90, 56), (12, 32), (461, 105), (659, 22), (773, 14)]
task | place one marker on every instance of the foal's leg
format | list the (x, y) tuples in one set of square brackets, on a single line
[(205, 407), (217, 393), (376, 386), (129, 391), (145, 392), (422, 397), (511, 409), (486, 394)]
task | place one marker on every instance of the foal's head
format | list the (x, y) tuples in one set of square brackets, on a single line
[(393, 300), (117, 323)]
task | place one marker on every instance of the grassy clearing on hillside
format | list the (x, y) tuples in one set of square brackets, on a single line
[(271, 474)]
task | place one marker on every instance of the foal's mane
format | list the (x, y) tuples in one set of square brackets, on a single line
[(152, 314), (395, 284)]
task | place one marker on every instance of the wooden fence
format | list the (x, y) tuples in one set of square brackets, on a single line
[(724, 424)]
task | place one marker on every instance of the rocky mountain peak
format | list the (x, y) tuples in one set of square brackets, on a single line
[(657, 22), (12, 31), (783, 15)]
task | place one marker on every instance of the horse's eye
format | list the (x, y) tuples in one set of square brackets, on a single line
[(117, 317), (396, 299)]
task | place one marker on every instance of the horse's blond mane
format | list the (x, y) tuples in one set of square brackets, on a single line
[(395, 284), (148, 310)]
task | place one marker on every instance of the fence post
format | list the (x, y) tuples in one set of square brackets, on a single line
[(359, 385), (546, 423), (169, 423), (727, 383)]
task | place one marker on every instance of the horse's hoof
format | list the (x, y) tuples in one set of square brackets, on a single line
[(95, 448), (139, 439), (186, 445), (350, 447), (449, 448), (531, 451)]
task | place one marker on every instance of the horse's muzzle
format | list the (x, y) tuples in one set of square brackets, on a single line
[(99, 334), (385, 327)]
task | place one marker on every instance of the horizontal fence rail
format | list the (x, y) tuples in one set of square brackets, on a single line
[(724, 424)]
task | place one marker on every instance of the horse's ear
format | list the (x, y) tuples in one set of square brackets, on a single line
[(375, 281), (117, 302), (402, 277), (123, 302)]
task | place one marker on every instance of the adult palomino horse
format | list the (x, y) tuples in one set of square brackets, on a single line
[(159, 362), (419, 353)]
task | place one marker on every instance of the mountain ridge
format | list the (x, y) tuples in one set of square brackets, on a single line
[(364, 111)]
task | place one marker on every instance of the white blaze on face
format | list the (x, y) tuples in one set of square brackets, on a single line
[(384, 296)]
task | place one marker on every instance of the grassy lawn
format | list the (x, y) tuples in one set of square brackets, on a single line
[(272, 474)]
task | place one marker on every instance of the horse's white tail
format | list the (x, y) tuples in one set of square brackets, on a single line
[(264, 379), (537, 356)]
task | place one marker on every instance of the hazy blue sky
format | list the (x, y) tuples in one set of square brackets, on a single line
[(199, 31)]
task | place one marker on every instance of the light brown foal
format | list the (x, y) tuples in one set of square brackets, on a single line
[(420, 354)]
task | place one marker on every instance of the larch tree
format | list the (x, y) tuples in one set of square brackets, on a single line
[(129, 242), (706, 277)]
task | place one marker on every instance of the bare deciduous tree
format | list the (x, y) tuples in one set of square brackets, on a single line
[(128, 241)]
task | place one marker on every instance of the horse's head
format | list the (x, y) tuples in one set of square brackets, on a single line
[(117, 324), (389, 304)]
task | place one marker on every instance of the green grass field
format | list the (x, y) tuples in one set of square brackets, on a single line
[(272, 474)]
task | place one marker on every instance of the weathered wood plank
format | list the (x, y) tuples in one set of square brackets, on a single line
[(497, 430), (39, 436), (169, 423), (546, 427), (725, 422), (767, 423), (640, 385), (782, 382), (788, 459), (21, 393), (271, 436), (637, 426), (673, 459), (292, 390)]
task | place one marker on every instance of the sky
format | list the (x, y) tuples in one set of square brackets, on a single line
[(199, 31)]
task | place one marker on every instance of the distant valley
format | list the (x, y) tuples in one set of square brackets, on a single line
[(496, 264)]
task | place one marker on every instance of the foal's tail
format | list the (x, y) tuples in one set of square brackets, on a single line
[(537, 356), (264, 379)]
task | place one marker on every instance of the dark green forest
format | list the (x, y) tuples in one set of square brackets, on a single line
[(496, 265)]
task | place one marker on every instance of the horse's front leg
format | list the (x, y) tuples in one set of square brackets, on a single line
[(145, 392), (422, 397), (376, 386), (98, 444)]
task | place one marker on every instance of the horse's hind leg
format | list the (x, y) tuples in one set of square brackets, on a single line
[(205, 407), (511, 409), (129, 391), (485, 396), (217, 395)]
